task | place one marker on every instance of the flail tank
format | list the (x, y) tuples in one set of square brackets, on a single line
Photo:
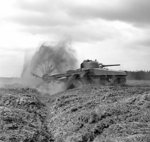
[(90, 72)]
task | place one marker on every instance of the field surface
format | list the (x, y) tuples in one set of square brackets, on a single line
[(87, 114), (139, 83)]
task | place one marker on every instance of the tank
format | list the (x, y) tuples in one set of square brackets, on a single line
[(90, 72)]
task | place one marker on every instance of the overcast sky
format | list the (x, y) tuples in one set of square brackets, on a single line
[(115, 31)]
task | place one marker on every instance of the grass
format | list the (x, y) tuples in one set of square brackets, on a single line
[(142, 83)]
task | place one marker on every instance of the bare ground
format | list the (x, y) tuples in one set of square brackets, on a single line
[(87, 114), (101, 114), (138, 83)]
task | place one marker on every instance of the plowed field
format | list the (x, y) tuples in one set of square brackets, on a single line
[(87, 114)]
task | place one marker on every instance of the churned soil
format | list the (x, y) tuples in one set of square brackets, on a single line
[(22, 116), (101, 114), (87, 114)]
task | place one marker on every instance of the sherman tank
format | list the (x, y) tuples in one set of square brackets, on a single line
[(90, 72)]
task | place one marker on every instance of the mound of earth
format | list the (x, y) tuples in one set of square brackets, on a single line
[(87, 114), (100, 114), (22, 116)]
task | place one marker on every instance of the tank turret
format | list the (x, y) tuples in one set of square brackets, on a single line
[(89, 64)]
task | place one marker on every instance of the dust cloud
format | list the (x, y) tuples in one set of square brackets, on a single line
[(49, 59), (53, 59)]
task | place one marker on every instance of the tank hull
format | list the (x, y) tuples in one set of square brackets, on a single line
[(78, 78), (98, 71), (100, 77), (90, 72)]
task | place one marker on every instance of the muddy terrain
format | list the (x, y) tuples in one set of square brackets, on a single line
[(87, 114)]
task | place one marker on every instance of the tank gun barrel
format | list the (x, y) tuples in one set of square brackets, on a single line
[(109, 65)]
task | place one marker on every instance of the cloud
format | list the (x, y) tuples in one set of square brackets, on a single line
[(135, 11), (75, 19), (40, 6), (67, 12), (44, 19), (11, 62), (87, 20), (84, 32), (116, 30), (41, 13)]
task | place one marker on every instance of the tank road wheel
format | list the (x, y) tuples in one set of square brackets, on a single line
[(112, 80), (122, 81), (77, 83), (74, 82), (103, 80), (69, 83), (94, 80)]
